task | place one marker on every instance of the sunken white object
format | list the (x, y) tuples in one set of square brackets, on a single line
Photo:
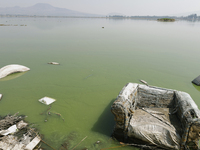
[(47, 100), (9, 69)]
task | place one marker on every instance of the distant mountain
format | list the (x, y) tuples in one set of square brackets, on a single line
[(42, 9)]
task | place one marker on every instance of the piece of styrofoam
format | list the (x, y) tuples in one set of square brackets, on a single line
[(47, 100)]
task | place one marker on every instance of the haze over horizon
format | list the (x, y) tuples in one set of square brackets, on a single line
[(126, 7)]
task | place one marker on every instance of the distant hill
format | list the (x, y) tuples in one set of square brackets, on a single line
[(43, 9)]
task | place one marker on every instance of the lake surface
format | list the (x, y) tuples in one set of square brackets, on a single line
[(95, 63)]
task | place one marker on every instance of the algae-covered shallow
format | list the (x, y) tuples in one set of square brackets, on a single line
[(95, 64)]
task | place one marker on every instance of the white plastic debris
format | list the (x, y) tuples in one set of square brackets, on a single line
[(47, 100), (54, 63), (33, 143), (9, 69), (11, 129), (1, 96)]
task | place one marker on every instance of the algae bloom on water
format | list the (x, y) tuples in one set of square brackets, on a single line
[(166, 19)]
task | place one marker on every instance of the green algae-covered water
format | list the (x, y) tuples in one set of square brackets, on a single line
[(95, 63)]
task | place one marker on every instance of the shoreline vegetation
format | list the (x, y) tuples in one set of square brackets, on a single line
[(166, 19)]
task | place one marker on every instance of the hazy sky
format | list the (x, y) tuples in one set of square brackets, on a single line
[(126, 7)]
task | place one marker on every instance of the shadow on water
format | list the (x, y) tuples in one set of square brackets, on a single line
[(196, 87), (105, 123)]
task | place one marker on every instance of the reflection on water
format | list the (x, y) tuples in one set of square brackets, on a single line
[(12, 76), (95, 63)]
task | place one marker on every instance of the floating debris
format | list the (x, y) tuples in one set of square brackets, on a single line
[(1, 96), (50, 113), (144, 82), (21, 125), (58, 114), (80, 142), (145, 114), (16, 135), (47, 100), (9, 120), (54, 63), (9, 69), (97, 142), (10, 130), (33, 143)]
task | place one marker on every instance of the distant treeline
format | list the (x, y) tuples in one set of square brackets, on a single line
[(192, 17)]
